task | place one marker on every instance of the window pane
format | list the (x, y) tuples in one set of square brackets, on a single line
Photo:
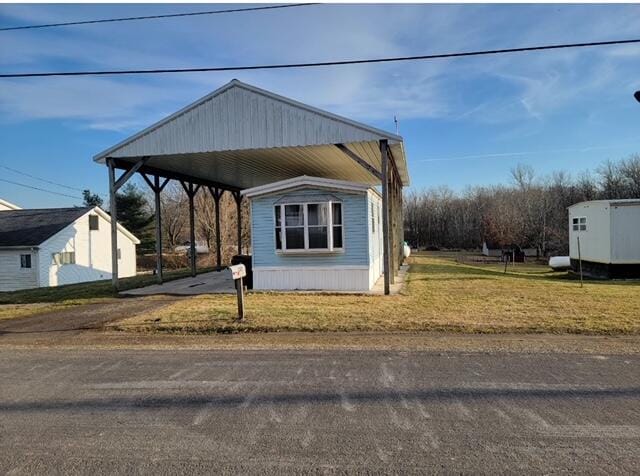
[(278, 220), (583, 220), (295, 238), (583, 227), (278, 239), (318, 237), (25, 261), (337, 237), (93, 222), (575, 227), (293, 215), (337, 213), (575, 221), (318, 213)]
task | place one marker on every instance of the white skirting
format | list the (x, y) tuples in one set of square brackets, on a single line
[(338, 278)]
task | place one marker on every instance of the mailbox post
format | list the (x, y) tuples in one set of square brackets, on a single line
[(238, 272)]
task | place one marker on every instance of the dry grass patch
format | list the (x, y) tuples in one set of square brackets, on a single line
[(29, 302), (441, 294)]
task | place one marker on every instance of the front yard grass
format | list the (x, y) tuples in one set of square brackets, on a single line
[(440, 295)]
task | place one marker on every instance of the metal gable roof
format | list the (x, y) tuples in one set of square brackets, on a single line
[(245, 136)]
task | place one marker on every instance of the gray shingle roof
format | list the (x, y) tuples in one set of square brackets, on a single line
[(32, 227)]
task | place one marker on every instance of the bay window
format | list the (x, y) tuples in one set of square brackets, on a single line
[(303, 227)]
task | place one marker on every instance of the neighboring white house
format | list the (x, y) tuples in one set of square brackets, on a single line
[(315, 233), (56, 246), (4, 205), (609, 235)]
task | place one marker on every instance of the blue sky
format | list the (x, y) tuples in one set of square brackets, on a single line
[(465, 121)]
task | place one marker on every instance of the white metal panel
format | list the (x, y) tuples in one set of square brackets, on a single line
[(241, 129), (337, 278), (595, 242), (240, 118), (625, 233)]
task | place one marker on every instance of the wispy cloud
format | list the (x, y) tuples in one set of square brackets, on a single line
[(511, 89)]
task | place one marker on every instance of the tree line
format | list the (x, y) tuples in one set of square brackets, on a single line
[(531, 211)]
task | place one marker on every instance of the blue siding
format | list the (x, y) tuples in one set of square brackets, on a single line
[(356, 245)]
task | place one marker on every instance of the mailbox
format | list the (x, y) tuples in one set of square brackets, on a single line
[(238, 271)]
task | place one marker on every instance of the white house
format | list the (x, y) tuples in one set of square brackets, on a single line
[(316, 233), (609, 236), (56, 246), (4, 205)]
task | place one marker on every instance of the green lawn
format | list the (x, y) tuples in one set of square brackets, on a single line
[(441, 294)]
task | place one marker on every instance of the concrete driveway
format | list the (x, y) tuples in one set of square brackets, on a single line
[(215, 282), (203, 412)]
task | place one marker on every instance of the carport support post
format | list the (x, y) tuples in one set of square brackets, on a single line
[(192, 231), (156, 192), (191, 192), (238, 198), (216, 193), (385, 214), (113, 210)]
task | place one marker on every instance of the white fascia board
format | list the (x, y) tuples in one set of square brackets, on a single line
[(305, 181), (9, 205)]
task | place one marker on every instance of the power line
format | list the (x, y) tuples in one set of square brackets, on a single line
[(41, 179), (154, 17), (323, 63), (41, 189)]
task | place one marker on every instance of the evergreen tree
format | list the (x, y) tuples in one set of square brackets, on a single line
[(134, 214), (91, 199)]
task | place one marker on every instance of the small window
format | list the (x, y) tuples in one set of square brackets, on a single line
[(580, 224), (119, 253), (94, 222), (65, 257), (25, 261)]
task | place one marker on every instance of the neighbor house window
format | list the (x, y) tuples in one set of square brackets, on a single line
[(65, 257), (94, 223), (25, 261), (580, 224), (308, 226), (119, 254)]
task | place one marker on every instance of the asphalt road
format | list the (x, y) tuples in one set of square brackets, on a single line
[(178, 411)]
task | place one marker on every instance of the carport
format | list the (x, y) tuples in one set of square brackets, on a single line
[(239, 137)]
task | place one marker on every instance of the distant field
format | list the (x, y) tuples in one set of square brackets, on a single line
[(441, 294)]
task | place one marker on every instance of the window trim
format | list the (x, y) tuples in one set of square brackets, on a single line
[(305, 227), (96, 219), (579, 223), (30, 261)]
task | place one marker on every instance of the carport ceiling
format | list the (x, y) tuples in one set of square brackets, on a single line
[(244, 137)]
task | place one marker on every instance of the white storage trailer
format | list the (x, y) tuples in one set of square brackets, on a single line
[(609, 236)]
